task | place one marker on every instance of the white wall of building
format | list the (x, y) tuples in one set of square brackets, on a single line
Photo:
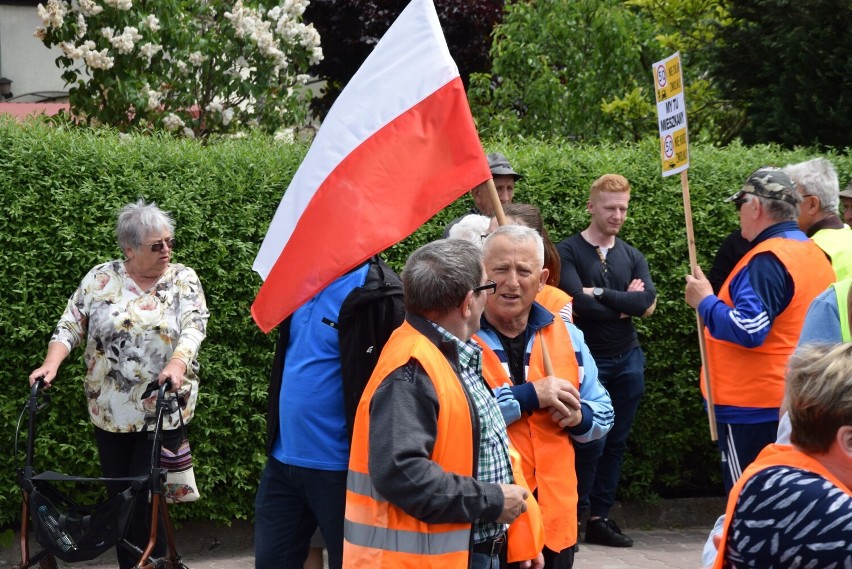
[(24, 59)]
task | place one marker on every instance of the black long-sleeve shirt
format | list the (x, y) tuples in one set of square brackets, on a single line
[(607, 333)]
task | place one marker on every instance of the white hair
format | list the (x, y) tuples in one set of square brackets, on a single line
[(471, 228), (818, 178)]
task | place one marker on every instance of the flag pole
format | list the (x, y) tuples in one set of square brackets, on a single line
[(495, 201), (693, 264)]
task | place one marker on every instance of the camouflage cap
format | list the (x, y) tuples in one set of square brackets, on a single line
[(772, 183)]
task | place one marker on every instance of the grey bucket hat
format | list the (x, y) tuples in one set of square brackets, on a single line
[(500, 166), (769, 182)]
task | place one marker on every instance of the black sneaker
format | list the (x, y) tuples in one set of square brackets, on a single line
[(603, 531)]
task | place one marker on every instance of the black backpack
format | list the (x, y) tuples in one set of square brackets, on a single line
[(368, 316)]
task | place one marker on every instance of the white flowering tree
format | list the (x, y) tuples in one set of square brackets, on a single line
[(193, 67)]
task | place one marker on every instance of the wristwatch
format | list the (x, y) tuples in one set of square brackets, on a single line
[(597, 292)]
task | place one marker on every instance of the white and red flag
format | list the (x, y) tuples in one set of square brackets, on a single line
[(398, 146)]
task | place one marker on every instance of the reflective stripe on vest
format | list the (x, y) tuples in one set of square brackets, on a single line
[(407, 541), (754, 377)]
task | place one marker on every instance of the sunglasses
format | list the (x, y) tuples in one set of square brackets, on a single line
[(739, 201), (489, 287), (158, 246)]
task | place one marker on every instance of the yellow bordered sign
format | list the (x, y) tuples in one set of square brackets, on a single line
[(671, 115)]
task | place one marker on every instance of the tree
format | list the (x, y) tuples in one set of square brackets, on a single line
[(187, 66), (788, 65), (555, 66), (357, 25), (693, 27)]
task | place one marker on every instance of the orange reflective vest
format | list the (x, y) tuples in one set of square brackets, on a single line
[(555, 299), (379, 534), (771, 455), (546, 449), (754, 377)]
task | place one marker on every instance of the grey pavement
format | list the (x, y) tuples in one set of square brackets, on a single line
[(666, 534), (654, 548)]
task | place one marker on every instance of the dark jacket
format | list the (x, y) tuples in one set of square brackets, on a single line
[(368, 316)]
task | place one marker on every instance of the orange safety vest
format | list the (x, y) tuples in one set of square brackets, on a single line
[(554, 299), (754, 377), (378, 533), (771, 455), (546, 449)]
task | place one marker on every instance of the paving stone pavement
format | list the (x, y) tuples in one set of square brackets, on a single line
[(208, 545), (653, 548)]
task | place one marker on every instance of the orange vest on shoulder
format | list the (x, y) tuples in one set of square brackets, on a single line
[(555, 299), (546, 449), (754, 377), (379, 534), (771, 455)]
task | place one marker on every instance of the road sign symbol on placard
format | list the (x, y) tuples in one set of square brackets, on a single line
[(669, 146), (661, 76)]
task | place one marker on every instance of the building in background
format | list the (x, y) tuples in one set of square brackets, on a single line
[(24, 59)]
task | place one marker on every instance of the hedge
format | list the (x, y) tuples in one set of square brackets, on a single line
[(61, 189)]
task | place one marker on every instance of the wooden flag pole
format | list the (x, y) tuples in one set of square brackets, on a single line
[(693, 264), (495, 201), (545, 357)]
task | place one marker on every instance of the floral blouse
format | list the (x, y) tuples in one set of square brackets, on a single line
[(130, 336)]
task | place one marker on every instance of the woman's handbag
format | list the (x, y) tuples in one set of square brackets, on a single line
[(180, 483)]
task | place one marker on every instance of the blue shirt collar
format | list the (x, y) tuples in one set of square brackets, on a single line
[(787, 229)]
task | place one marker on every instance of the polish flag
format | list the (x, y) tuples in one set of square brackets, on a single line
[(398, 146)]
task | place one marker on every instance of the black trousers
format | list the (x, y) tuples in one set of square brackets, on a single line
[(129, 454)]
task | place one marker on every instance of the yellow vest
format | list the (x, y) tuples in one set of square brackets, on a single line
[(837, 244)]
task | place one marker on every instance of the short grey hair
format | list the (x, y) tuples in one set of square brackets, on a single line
[(438, 276), (819, 394), (779, 210), (818, 178), (138, 220), (518, 234)]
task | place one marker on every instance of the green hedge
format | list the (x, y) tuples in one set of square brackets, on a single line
[(61, 189)]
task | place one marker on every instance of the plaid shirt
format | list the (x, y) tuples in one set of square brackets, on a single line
[(494, 466)]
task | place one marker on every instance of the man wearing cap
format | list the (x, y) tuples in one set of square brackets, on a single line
[(753, 325), (846, 202), (504, 180), (817, 183)]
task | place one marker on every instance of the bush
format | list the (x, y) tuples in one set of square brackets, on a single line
[(64, 187)]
